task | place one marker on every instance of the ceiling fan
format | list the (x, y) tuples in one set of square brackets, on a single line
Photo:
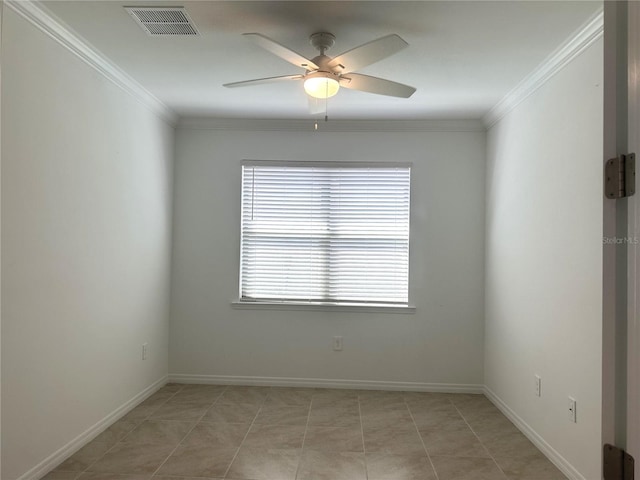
[(325, 75)]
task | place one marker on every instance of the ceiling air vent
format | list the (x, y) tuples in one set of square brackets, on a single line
[(163, 21)]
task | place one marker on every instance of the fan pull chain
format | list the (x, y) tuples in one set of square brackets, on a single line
[(326, 107)]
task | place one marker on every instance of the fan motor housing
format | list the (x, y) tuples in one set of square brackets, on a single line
[(322, 61)]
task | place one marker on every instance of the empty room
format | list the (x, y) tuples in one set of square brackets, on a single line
[(273, 240)]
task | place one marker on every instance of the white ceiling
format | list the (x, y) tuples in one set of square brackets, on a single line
[(463, 57)]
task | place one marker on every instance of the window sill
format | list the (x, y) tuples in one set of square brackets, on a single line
[(319, 306)]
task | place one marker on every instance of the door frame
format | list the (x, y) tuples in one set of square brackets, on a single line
[(633, 280), (615, 219)]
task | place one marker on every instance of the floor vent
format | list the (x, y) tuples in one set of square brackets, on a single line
[(163, 21)]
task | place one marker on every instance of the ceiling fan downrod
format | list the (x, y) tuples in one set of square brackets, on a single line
[(322, 41)]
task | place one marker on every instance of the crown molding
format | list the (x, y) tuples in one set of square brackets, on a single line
[(308, 125), (584, 37), (43, 19)]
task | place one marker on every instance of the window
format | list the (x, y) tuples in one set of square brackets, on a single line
[(325, 232)]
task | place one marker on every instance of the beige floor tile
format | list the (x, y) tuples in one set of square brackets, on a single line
[(460, 399), (168, 477), (456, 468), (171, 477), (337, 402), (217, 434), (84, 457), (198, 461), (474, 414), (231, 413), (438, 420), (116, 432), (391, 440), (275, 436), (60, 475), (159, 432), (194, 397), (334, 416), (532, 467), (337, 393), (283, 415), (112, 476), (140, 413), (425, 421), (426, 399), (381, 466), (332, 466), (172, 387), (195, 387), (476, 408), (389, 419), (265, 464), (458, 442), (251, 395), (131, 458), (335, 397), (381, 404), (513, 444), (443, 409), (478, 402), (380, 400), (334, 439), (489, 426), (183, 413), (263, 433), (157, 399), (290, 396), (380, 394)]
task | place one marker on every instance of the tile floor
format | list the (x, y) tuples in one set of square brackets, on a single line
[(267, 433)]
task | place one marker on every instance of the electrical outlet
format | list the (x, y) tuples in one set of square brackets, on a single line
[(538, 385), (337, 343), (572, 410), (145, 351)]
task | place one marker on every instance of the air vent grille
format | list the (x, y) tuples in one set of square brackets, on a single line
[(163, 21)]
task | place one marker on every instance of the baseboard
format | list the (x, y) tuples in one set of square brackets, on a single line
[(325, 383), (55, 459), (558, 460)]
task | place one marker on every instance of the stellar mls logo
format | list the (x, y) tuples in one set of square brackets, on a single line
[(620, 240)]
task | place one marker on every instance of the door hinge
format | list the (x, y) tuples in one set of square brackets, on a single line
[(620, 176), (616, 464)]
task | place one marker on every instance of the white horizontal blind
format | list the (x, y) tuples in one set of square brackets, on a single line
[(325, 232)]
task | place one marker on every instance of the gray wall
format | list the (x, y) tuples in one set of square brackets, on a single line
[(544, 260), (441, 343), (86, 213)]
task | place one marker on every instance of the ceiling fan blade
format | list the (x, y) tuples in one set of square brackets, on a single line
[(368, 53), (258, 81), (365, 83), (281, 51), (316, 105)]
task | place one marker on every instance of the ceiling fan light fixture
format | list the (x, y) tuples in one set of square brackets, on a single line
[(321, 86)]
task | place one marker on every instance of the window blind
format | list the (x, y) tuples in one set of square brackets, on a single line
[(325, 232)]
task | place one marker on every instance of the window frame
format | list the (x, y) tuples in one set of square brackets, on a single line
[(293, 304)]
